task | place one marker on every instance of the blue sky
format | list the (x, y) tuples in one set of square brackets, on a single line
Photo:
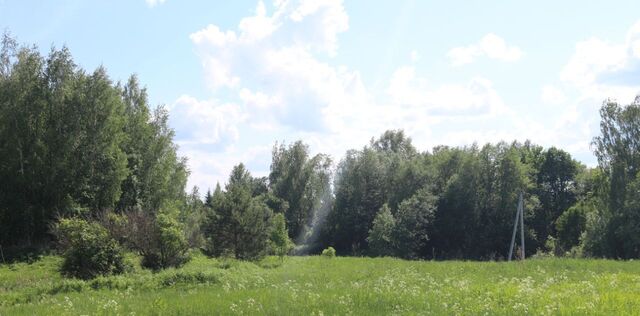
[(238, 76)]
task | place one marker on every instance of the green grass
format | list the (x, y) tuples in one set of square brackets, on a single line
[(322, 286)]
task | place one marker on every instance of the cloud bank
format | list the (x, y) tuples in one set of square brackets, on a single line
[(491, 46), (274, 77)]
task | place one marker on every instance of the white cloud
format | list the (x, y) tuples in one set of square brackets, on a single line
[(153, 3), (321, 21), (211, 167), (205, 122), (597, 70), (491, 46), (600, 69), (277, 69), (274, 78), (258, 100), (592, 58), (270, 62), (475, 98), (268, 69)]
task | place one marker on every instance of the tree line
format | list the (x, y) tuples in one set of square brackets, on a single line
[(83, 156)]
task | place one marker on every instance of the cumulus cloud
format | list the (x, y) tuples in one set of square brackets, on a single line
[(205, 122), (490, 46), (279, 82), (271, 60), (592, 58), (477, 97), (597, 70), (269, 71), (274, 77), (602, 69), (210, 167)]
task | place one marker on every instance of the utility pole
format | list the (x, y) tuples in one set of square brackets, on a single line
[(519, 218)]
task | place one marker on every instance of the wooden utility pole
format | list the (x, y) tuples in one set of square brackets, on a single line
[(519, 218)]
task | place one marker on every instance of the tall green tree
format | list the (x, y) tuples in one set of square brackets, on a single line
[(556, 189), (74, 142), (618, 153), (240, 223), (360, 191), (301, 181), (388, 170), (61, 136)]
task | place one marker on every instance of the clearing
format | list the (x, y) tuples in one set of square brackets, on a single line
[(328, 286)]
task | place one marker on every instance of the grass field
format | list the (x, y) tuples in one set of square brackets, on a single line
[(323, 286)]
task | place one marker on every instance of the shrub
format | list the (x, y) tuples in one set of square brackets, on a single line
[(159, 239), (381, 234), (279, 241), (414, 223), (116, 225), (329, 252), (571, 224), (173, 246), (89, 251)]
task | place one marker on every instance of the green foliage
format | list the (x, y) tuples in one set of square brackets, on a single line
[(613, 230), (192, 215), (571, 224), (394, 142), (61, 129), (74, 140), (252, 240), (360, 191), (414, 222), (629, 219), (89, 251), (73, 143), (239, 223), (156, 174), (158, 238), (300, 181), (475, 192), (381, 235), (279, 241), (555, 189), (173, 248), (329, 252)]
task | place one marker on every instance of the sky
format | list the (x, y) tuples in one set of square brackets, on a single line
[(239, 76)]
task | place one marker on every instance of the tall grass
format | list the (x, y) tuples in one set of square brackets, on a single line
[(323, 286)]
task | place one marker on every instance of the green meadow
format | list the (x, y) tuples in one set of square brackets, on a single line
[(317, 285)]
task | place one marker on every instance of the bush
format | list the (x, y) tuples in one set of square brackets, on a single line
[(571, 224), (116, 225), (159, 239), (414, 221), (381, 234), (329, 252), (173, 245), (279, 242), (89, 251)]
